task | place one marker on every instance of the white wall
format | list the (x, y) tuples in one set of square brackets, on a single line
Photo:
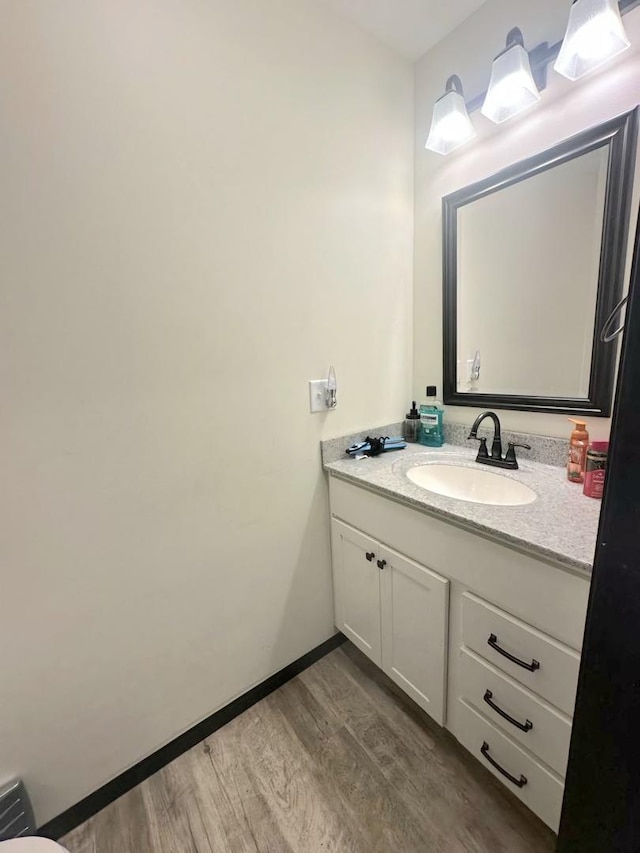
[(565, 109), (204, 204)]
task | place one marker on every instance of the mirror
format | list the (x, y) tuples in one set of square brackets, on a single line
[(534, 260)]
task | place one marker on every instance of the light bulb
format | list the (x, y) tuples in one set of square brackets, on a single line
[(508, 92), (453, 128)]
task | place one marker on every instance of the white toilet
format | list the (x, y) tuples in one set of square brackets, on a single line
[(30, 845)]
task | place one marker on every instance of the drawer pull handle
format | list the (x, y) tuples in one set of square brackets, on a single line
[(493, 642), (382, 564), (520, 783), (524, 727), (370, 555)]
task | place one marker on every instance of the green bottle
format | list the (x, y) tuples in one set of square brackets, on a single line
[(431, 432)]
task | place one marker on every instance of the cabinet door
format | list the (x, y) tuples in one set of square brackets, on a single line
[(356, 588), (415, 614)]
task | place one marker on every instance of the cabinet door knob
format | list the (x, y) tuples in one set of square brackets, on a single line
[(382, 564), (370, 555)]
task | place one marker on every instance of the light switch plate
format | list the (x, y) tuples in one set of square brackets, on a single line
[(318, 395)]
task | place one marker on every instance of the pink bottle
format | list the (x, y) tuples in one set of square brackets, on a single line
[(596, 469)]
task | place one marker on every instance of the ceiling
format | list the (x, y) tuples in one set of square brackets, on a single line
[(409, 26)]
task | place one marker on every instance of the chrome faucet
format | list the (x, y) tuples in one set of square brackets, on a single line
[(495, 458)]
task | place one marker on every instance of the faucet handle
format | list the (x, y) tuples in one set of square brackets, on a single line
[(511, 452), (483, 453)]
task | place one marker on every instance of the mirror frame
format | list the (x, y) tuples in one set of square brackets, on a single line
[(620, 135)]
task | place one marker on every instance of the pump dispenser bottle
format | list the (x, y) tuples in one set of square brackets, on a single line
[(411, 427), (578, 446)]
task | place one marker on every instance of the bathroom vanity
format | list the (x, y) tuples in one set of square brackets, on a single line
[(477, 611)]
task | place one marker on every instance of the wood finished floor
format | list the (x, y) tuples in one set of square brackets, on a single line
[(336, 760)]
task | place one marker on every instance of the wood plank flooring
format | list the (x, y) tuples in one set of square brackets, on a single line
[(336, 761)]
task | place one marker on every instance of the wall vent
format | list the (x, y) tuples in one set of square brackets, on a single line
[(16, 814)]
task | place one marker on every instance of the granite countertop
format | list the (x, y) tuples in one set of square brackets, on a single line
[(561, 525)]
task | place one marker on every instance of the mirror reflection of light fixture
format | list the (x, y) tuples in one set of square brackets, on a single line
[(595, 34), (450, 126), (512, 88)]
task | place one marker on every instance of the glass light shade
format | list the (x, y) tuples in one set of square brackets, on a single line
[(595, 34), (450, 126), (512, 88)]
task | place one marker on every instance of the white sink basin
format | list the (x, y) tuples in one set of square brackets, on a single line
[(471, 484)]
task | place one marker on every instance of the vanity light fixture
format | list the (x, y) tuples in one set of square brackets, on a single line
[(595, 34), (512, 88), (450, 126)]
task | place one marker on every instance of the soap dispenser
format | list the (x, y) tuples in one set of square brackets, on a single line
[(411, 426)]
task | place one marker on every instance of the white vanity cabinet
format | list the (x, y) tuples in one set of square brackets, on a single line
[(396, 611), (485, 638)]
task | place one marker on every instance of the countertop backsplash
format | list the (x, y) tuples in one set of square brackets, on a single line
[(544, 448)]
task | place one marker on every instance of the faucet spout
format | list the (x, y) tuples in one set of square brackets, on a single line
[(496, 447), (495, 458)]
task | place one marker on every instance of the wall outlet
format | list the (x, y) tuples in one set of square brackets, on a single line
[(318, 395)]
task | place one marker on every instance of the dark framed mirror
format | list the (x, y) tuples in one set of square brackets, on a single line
[(534, 262)]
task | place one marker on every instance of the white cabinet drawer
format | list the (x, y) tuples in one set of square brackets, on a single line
[(525, 718), (541, 663), (538, 788)]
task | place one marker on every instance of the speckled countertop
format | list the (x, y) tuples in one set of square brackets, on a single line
[(561, 525)]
